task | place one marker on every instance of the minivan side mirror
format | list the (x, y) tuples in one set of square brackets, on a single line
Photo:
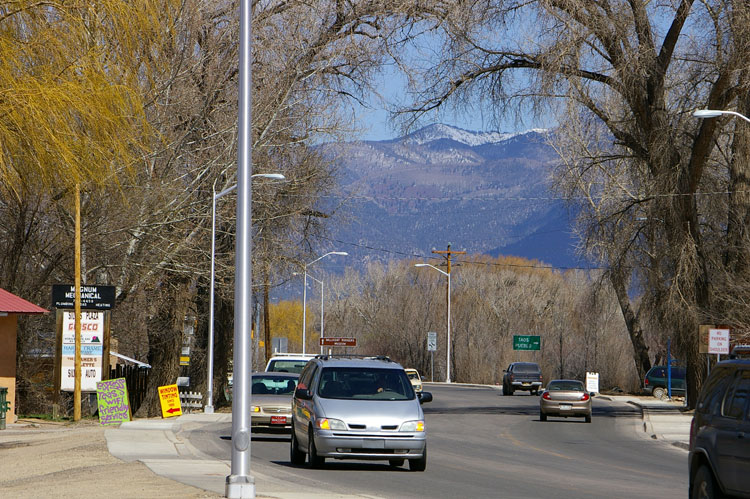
[(303, 393), (424, 397)]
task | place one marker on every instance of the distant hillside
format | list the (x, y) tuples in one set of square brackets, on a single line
[(485, 192)]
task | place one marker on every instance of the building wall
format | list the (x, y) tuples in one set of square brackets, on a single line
[(8, 331)]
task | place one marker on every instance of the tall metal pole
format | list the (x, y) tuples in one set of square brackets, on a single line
[(209, 409), (304, 312), (321, 313), (239, 484), (448, 362)]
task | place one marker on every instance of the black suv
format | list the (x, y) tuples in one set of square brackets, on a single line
[(522, 376), (719, 459)]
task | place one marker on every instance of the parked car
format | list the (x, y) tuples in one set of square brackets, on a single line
[(522, 376), (565, 398), (357, 408), (416, 380), (272, 400), (655, 381), (288, 362), (719, 457)]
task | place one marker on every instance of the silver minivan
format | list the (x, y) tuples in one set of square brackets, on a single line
[(349, 407)]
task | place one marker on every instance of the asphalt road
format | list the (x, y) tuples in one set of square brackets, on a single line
[(484, 444)]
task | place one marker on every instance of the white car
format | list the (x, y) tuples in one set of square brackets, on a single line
[(416, 380), (288, 362)]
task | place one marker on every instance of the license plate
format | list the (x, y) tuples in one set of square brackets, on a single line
[(526, 384), (373, 444), (278, 419), (565, 407)]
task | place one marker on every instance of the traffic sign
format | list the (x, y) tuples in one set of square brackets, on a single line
[(718, 341), (432, 341), (331, 341), (526, 342), (169, 396)]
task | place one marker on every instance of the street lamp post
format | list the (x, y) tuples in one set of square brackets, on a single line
[(448, 348), (715, 113), (304, 297), (209, 409), (321, 308)]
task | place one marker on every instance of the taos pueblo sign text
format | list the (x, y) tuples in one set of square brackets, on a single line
[(92, 297)]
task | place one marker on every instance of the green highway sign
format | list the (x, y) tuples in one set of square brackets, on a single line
[(525, 342)]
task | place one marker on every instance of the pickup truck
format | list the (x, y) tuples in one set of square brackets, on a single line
[(522, 376)]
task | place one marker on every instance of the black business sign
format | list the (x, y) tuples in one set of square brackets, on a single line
[(92, 297)]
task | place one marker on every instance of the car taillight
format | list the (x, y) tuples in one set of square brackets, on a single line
[(545, 396), (511, 377), (645, 381), (585, 397), (540, 377)]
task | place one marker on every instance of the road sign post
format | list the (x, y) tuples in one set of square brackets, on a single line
[(432, 348)]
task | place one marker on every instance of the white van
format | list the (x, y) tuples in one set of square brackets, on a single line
[(288, 362)]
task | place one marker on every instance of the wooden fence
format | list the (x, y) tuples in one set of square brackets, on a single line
[(136, 378)]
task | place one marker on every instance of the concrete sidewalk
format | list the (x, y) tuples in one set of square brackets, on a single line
[(668, 421), (157, 443)]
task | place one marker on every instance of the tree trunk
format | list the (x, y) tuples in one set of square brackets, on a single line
[(640, 350), (165, 341)]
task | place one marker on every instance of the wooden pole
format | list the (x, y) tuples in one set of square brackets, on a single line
[(77, 277)]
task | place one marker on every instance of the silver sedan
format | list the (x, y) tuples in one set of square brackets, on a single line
[(272, 400), (565, 398)]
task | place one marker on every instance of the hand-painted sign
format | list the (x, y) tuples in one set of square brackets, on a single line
[(169, 396), (112, 400)]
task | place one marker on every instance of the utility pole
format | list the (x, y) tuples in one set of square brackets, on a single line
[(447, 254)]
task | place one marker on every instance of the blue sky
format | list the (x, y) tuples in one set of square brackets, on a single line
[(392, 88)]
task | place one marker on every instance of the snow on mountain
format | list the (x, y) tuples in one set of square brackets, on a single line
[(470, 138)]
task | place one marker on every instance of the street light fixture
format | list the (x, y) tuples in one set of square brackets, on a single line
[(304, 297), (209, 408), (714, 113), (321, 305), (448, 348)]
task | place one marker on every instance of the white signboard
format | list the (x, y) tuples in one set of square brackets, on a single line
[(592, 382), (92, 346), (431, 341), (718, 341)]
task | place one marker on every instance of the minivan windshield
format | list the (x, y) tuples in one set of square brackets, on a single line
[(358, 383)]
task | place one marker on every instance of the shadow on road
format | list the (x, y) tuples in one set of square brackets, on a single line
[(339, 465)]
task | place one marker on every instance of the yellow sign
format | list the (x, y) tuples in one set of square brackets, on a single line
[(169, 397), (184, 360)]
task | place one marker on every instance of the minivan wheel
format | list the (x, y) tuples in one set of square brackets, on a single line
[(659, 393), (313, 459), (542, 416), (419, 464), (296, 456), (588, 418), (704, 486)]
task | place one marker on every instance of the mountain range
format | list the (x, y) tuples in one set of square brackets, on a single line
[(483, 192)]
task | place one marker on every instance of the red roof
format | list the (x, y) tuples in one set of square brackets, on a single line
[(12, 304)]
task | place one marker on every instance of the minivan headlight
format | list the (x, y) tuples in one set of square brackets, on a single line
[(412, 426), (330, 424)]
